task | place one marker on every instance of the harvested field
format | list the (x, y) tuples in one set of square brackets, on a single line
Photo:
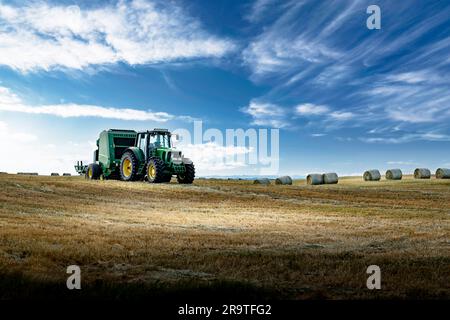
[(223, 237)]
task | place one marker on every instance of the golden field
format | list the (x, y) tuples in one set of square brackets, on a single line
[(223, 238)]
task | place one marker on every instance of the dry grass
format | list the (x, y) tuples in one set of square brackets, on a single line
[(134, 240)]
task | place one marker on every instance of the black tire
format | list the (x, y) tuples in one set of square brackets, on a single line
[(129, 166), (93, 171), (155, 171), (189, 176)]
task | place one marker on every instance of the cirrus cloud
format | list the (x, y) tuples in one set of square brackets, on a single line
[(311, 109), (266, 114)]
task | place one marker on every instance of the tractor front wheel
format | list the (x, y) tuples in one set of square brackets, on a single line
[(188, 176), (155, 171), (93, 172), (129, 166)]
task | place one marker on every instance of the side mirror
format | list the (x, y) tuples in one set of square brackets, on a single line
[(175, 137)]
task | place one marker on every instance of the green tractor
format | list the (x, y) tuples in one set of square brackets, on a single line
[(129, 155)]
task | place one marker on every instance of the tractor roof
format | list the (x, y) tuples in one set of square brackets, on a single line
[(156, 131), (121, 130)]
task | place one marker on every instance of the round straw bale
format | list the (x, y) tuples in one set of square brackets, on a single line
[(261, 181), (422, 173), (314, 178), (394, 174), (330, 178), (372, 175), (443, 173), (283, 180)]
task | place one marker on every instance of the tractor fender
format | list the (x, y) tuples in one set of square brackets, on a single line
[(187, 161), (138, 153)]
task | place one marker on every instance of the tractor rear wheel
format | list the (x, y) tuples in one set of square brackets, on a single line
[(189, 175), (155, 171), (129, 166), (93, 171)]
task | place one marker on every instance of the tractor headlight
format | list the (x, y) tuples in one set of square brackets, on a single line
[(176, 157)]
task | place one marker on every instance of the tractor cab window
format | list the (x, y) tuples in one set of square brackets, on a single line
[(152, 142), (160, 141), (165, 141)]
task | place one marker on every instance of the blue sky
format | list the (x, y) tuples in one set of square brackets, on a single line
[(345, 98)]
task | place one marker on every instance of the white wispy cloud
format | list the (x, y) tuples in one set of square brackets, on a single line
[(11, 102), (40, 36), (426, 136), (273, 53), (403, 163), (266, 114), (332, 75), (342, 115), (76, 110), (416, 97), (409, 77), (311, 109), (258, 9), (422, 76)]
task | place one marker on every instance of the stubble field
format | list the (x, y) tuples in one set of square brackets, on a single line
[(223, 238)]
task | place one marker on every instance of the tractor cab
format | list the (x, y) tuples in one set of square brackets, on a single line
[(152, 141), (160, 139)]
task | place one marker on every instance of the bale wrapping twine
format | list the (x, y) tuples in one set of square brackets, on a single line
[(262, 181), (314, 179), (443, 173), (283, 180), (330, 178), (372, 175), (422, 173), (394, 174)]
